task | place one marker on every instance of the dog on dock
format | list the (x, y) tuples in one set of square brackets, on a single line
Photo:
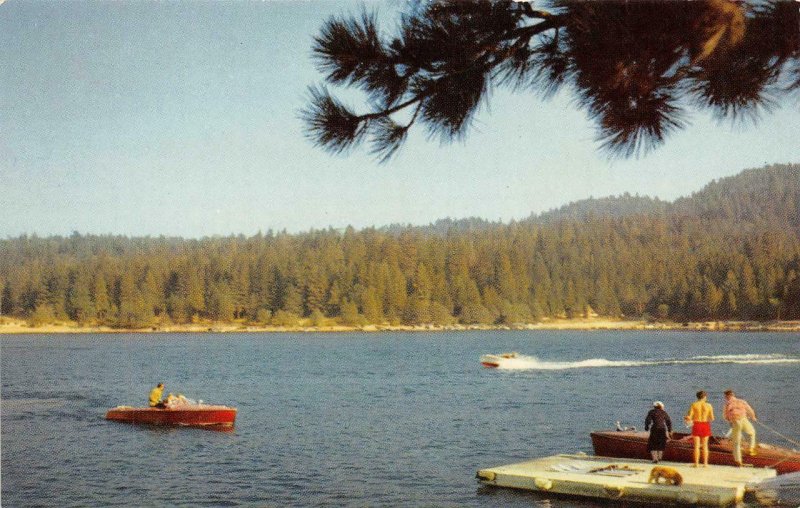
[(670, 475)]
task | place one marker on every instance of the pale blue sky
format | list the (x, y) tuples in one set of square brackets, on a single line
[(181, 119)]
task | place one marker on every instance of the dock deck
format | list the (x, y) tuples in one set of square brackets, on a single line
[(625, 479)]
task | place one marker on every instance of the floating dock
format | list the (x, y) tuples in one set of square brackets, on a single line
[(626, 479)]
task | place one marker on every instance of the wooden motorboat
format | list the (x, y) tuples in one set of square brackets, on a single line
[(494, 361), (632, 444), (192, 415)]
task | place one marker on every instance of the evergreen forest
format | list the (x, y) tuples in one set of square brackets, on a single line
[(730, 251)]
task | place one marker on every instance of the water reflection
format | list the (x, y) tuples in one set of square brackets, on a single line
[(169, 429)]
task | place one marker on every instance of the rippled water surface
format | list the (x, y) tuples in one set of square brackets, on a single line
[(352, 419)]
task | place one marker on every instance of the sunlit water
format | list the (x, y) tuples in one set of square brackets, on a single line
[(353, 419)]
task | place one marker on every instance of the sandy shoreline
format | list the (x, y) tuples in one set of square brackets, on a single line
[(16, 326)]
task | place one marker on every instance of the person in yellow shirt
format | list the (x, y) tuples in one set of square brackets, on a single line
[(700, 415), (155, 396)]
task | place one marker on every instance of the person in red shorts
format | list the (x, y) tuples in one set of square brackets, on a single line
[(700, 415)]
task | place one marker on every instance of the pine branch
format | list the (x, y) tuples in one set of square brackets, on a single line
[(629, 63), (330, 124)]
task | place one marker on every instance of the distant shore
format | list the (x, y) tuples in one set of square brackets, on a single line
[(17, 326)]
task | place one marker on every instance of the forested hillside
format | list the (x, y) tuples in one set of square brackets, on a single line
[(729, 251)]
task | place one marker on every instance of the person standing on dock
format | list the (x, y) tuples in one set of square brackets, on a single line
[(660, 426), (155, 396), (700, 415), (736, 413)]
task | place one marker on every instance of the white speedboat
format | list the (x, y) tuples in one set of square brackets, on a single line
[(494, 361)]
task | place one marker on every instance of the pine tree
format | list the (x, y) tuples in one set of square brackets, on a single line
[(396, 293), (293, 302), (712, 298), (102, 303), (417, 311), (134, 312), (372, 307), (194, 293), (221, 302), (79, 304), (633, 67), (315, 291), (350, 314)]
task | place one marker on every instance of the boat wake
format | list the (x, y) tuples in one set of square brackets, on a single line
[(525, 362)]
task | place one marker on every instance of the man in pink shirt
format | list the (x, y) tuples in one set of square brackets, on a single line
[(736, 413)]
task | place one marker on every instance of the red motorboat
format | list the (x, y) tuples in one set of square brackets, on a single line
[(194, 415), (633, 445)]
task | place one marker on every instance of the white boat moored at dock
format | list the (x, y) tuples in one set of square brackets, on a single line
[(626, 479)]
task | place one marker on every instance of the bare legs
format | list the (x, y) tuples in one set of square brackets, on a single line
[(698, 441), (705, 451)]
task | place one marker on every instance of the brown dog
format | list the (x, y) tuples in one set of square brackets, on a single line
[(670, 475)]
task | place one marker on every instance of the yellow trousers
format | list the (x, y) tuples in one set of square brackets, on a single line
[(739, 426)]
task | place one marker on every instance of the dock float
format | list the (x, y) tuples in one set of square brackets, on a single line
[(626, 479)]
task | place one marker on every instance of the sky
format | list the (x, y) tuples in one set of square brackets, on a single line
[(181, 119)]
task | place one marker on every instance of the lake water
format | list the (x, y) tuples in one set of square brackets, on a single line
[(378, 419)]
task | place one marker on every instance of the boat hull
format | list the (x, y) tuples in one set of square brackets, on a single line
[(631, 444), (494, 361), (204, 416), (490, 361)]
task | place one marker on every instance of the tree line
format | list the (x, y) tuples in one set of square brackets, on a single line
[(728, 252)]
